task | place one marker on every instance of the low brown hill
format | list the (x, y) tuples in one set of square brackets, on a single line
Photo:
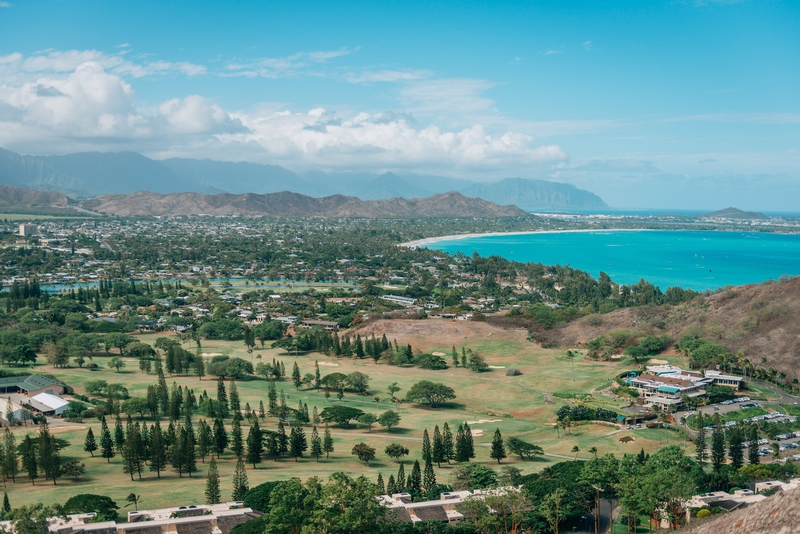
[(759, 319), (779, 514), (18, 196), (287, 204)]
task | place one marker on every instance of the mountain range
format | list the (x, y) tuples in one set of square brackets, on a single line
[(91, 174)]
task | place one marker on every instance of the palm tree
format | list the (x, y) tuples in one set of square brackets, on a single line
[(776, 450), (576, 450), (593, 451)]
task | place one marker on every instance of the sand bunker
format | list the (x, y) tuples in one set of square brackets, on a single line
[(329, 364), (616, 356), (483, 421), (477, 433), (210, 354), (497, 367), (658, 362), (441, 354)]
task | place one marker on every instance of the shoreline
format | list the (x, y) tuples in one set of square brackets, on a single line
[(430, 240)]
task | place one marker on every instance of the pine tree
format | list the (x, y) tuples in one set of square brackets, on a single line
[(106, 442), (283, 440), (130, 460), (470, 443), (317, 377), (261, 413), (428, 476), (717, 447), (237, 442), (415, 481), (391, 486), (6, 503), (381, 489), (461, 445), (283, 371), (272, 445), (29, 463), (437, 451), (297, 442), (240, 483), (255, 446), (498, 451), (204, 440), (448, 447), (315, 418), (316, 443), (400, 481), (455, 356), (49, 458), (700, 446), (426, 446), (327, 442), (89, 443), (158, 450), (233, 396), (752, 445), (119, 435), (296, 376), (213, 494), (272, 399), (10, 463), (163, 392), (189, 454), (220, 437), (222, 398), (735, 450)]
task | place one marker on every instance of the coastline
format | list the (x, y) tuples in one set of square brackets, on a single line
[(430, 240)]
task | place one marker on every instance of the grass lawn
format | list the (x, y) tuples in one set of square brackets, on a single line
[(519, 406)]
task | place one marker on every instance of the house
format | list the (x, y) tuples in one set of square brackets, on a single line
[(10, 407), (400, 508), (30, 385), (330, 326), (666, 385), (193, 519), (48, 404)]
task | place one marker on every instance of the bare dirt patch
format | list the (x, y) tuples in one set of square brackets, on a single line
[(426, 334)]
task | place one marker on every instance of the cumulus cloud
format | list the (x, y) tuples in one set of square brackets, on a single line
[(92, 106)]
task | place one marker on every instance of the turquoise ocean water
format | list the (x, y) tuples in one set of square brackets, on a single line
[(695, 260)]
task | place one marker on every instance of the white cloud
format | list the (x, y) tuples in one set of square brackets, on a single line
[(387, 76), (758, 118), (587, 45), (47, 108), (283, 67), (553, 50), (4, 4)]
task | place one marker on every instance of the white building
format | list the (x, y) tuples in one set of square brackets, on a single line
[(50, 404), (28, 229)]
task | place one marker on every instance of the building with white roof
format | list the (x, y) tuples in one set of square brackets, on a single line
[(53, 404)]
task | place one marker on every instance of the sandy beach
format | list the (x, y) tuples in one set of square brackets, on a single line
[(430, 240)]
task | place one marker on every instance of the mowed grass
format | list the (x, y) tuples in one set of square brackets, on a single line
[(518, 406)]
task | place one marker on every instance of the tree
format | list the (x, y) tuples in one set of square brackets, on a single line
[(523, 448), (220, 442), (717, 447), (316, 443), (255, 445), (552, 509), (296, 376), (297, 442), (234, 403), (237, 441), (429, 392), (117, 363), (388, 419), (213, 494), (396, 451), (240, 483), (448, 447), (359, 382), (49, 458), (89, 443), (498, 451), (469, 476), (368, 420), (10, 456), (340, 414), (497, 510), (735, 450), (106, 442), (753, 455), (327, 442), (700, 446), (103, 506), (157, 450), (575, 451), (364, 452), (392, 389), (29, 463)]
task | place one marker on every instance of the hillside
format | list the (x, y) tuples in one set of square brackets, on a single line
[(11, 196), (760, 320), (287, 204), (779, 514), (89, 174), (736, 213), (535, 194)]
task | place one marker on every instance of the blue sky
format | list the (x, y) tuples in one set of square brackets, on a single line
[(672, 104)]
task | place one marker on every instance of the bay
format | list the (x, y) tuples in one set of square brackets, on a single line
[(693, 260)]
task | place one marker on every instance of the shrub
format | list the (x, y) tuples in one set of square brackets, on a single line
[(513, 371)]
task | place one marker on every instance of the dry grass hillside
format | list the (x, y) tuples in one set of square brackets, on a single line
[(760, 320), (780, 514)]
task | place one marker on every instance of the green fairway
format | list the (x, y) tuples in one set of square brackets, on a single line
[(519, 406)]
